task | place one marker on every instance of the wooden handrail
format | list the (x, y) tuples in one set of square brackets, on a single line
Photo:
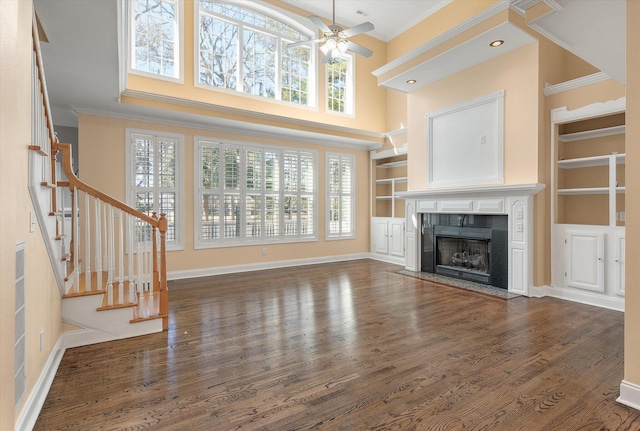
[(75, 182), (43, 85)]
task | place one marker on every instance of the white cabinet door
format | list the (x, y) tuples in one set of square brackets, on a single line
[(381, 243), (396, 237), (618, 264), (584, 260)]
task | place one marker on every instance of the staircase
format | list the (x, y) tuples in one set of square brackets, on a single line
[(109, 258)]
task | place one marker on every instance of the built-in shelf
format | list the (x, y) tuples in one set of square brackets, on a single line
[(392, 180), (391, 177), (589, 191), (588, 162), (393, 164), (590, 134)]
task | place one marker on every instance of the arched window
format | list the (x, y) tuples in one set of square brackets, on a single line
[(247, 50)]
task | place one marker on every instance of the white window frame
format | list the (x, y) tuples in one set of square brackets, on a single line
[(243, 240), (178, 56), (341, 157), (350, 92), (178, 243), (280, 15)]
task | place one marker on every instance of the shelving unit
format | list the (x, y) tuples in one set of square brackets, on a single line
[(389, 176), (590, 168), (588, 203)]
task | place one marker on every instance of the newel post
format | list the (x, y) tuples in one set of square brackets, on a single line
[(164, 294)]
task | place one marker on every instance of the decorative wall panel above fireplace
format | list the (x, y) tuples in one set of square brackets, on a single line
[(466, 143)]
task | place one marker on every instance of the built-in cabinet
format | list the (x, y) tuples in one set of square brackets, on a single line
[(588, 203), (388, 177), (388, 239)]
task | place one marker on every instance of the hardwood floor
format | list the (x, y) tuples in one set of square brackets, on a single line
[(349, 346)]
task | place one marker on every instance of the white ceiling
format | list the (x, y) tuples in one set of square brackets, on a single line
[(390, 17), (81, 58), (594, 30)]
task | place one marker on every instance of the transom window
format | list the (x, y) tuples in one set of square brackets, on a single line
[(155, 44), (246, 50), (340, 196), (250, 194)]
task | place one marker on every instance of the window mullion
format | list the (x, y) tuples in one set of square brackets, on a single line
[(240, 59), (156, 165), (278, 69)]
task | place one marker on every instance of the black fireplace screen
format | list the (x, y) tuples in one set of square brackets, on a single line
[(462, 253)]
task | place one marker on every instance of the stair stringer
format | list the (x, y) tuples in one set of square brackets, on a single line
[(41, 198), (105, 325)]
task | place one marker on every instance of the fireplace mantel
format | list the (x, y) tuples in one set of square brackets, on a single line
[(514, 200), (484, 191)]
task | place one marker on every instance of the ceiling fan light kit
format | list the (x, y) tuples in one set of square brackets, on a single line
[(335, 39)]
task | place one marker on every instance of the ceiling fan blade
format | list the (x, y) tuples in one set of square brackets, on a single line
[(359, 49), (360, 28), (301, 42), (325, 58), (320, 24)]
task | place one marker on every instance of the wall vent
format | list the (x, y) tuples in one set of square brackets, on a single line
[(20, 325)]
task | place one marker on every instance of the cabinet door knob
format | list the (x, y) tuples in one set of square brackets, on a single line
[(600, 259)]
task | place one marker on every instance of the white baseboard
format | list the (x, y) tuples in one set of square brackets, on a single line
[(85, 337), (629, 395), (598, 300), (179, 275), (387, 258), (35, 401)]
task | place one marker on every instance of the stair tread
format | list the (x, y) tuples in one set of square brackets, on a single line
[(144, 319)]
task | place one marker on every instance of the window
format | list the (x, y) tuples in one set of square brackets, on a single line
[(340, 84), (155, 44), (248, 51), (154, 178), (250, 195), (340, 196)]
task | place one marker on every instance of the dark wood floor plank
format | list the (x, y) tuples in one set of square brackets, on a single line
[(349, 346)]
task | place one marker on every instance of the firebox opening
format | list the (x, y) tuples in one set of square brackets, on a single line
[(466, 246), (465, 254)]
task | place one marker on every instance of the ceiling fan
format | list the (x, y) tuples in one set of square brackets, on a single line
[(335, 39)]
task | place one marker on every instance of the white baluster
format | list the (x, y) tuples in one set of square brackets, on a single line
[(63, 221), (130, 272), (98, 242), (87, 244), (139, 285), (76, 240), (121, 258), (111, 262)]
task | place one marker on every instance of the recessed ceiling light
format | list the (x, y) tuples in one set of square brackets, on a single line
[(496, 43), (411, 81)]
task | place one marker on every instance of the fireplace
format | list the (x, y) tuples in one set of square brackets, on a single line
[(466, 246)]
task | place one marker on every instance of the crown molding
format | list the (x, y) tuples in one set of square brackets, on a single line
[(471, 22), (576, 83)]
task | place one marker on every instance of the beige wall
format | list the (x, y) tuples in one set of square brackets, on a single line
[(455, 13), (369, 104), (102, 164), (516, 73), (632, 298), (43, 298)]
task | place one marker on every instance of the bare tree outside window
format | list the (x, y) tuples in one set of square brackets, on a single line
[(245, 50), (155, 37)]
